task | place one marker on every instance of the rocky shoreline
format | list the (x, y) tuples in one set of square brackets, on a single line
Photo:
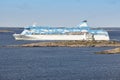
[(71, 44), (75, 44), (80, 44), (111, 51)]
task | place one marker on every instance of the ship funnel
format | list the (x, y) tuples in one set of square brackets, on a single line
[(83, 24)]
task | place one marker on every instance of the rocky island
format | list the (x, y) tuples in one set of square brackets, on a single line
[(80, 44), (76, 44), (71, 44), (5, 31), (111, 51)]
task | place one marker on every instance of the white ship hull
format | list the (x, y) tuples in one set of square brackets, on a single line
[(60, 37)]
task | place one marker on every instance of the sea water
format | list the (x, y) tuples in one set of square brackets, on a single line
[(56, 63)]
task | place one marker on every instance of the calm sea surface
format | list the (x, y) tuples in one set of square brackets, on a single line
[(57, 63)]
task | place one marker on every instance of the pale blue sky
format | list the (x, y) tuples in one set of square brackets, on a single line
[(99, 13)]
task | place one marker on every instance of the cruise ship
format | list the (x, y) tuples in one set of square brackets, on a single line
[(79, 32)]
